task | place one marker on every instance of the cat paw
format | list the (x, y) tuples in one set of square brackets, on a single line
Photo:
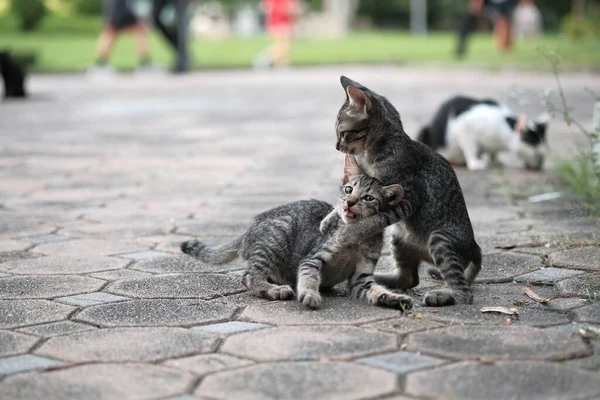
[(439, 298), (478, 165), (397, 301), (283, 292), (310, 299), (189, 246)]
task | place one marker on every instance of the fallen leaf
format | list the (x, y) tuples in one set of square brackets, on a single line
[(418, 316), (501, 310), (589, 332), (433, 311), (534, 296), (534, 243)]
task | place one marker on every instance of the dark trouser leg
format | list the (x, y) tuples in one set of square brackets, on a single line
[(466, 27), (169, 33), (182, 24)]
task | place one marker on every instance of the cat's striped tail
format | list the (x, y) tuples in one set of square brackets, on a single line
[(212, 255)]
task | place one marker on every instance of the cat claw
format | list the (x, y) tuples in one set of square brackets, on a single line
[(310, 299)]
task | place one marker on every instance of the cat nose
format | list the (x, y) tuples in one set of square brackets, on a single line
[(350, 202)]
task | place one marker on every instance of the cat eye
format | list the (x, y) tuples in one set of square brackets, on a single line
[(369, 198), (347, 189)]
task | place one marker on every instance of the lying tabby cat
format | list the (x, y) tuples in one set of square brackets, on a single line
[(284, 246)]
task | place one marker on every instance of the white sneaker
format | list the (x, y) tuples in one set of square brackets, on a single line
[(100, 73)]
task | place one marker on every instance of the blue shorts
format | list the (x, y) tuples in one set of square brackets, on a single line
[(118, 14), (495, 9)]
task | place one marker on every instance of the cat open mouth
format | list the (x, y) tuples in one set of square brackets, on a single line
[(349, 214)]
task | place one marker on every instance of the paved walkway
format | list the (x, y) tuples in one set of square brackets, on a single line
[(100, 184)]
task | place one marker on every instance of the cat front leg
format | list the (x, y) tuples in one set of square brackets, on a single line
[(309, 281), (329, 222), (467, 142), (362, 286)]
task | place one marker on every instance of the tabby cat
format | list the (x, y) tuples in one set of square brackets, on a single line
[(431, 222), (284, 246)]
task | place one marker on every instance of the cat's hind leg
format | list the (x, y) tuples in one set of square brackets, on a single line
[(256, 280), (362, 286), (451, 262), (407, 259)]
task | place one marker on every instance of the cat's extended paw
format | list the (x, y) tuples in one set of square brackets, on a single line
[(190, 246), (310, 299), (283, 292), (445, 297), (478, 165), (395, 300)]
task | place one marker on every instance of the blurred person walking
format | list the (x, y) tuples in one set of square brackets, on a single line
[(175, 33), (499, 11), (119, 17), (281, 17)]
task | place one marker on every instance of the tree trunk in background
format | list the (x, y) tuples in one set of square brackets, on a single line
[(578, 8), (418, 17), (341, 13)]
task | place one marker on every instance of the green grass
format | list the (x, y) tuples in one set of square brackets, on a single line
[(69, 44)]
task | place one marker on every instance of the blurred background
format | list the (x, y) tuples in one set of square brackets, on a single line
[(61, 35)]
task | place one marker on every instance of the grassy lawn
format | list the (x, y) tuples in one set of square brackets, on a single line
[(70, 47)]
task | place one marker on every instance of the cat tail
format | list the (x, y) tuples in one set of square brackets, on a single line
[(214, 255), (471, 271), (424, 135)]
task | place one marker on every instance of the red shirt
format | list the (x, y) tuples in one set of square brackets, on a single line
[(278, 12)]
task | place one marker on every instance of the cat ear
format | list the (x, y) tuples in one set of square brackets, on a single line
[(351, 168), (394, 193), (358, 99), (345, 81)]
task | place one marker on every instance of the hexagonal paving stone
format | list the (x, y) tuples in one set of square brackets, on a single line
[(17, 255), (12, 343), (492, 342), (333, 311), (566, 303), (50, 238), (547, 276), (586, 258), (7, 245), (91, 247), (227, 328), (179, 286), (504, 380), (120, 274), (308, 343), (208, 363), (503, 267), (26, 362), (17, 313), (60, 264), (589, 313), (183, 264), (90, 299), (145, 255), (98, 382), (39, 287), (127, 344), (57, 328), (401, 362), (157, 312), (404, 325), (585, 286), (299, 381)]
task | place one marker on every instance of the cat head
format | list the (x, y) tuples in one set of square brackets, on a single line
[(362, 196), (359, 116), (531, 146)]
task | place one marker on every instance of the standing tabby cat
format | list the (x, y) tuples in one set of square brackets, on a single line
[(431, 221), (284, 245)]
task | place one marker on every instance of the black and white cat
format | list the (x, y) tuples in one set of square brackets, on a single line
[(472, 131)]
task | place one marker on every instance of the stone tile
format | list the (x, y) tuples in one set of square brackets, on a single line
[(572, 328), (145, 255), (591, 363), (504, 380), (547, 276), (26, 362), (401, 362), (183, 264), (333, 311), (12, 343), (17, 255), (228, 328), (508, 294), (585, 286), (503, 267), (128, 230), (57, 328), (566, 303), (91, 247), (90, 299), (3, 275), (127, 344), (589, 313), (39, 287), (8, 245), (299, 381), (491, 343), (308, 343), (18, 313), (118, 274), (586, 258), (157, 312), (60, 264), (208, 363), (405, 325), (169, 243), (98, 382), (50, 238), (178, 286)]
